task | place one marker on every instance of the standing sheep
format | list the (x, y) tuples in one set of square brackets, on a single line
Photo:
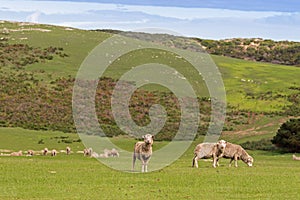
[(68, 150), (45, 151), (236, 152), (53, 152), (143, 151), (30, 153), (88, 152), (208, 150)]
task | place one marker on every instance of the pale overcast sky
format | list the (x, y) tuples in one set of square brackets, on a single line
[(213, 19)]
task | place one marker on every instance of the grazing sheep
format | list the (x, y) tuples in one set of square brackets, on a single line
[(114, 152), (236, 152), (295, 157), (53, 152), (111, 153), (95, 155), (143, 151), (19, 153), (88, 152), (30, 153), (45, 151), (208, 150), (68, 150)]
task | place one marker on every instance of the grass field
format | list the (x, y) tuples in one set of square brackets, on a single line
[(252, 87), (273, 176)]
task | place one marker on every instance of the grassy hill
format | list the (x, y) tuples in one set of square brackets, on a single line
[(36, 83), (38, 75)]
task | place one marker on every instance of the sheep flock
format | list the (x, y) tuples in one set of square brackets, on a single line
[(142, 150)]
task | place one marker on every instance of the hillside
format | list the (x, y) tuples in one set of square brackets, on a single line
[(38, 64), (254, 49)]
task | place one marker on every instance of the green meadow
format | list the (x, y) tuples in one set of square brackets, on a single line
[(262, 91), (273, 176)]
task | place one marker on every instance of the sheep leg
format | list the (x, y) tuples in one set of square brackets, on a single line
[(214, 160), (146, 167), (230, 162), (235, 161), (133, 161), (195, 161), (143, 166), (218, 161)]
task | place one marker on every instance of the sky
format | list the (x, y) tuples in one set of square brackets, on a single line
[(207, 19)]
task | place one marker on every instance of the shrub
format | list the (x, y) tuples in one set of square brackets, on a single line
[(288, 136)]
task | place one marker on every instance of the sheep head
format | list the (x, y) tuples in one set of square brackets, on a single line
[(222, 144), (249, 161), (148, 139)]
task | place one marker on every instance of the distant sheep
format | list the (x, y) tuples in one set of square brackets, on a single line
[(95, 155), (53, 152), (19, 153), (111, 153), (88, 152), (45, 151), (30, 153), (68, 150), (209, 150), (143, 151), (295, 157), (236, 152)]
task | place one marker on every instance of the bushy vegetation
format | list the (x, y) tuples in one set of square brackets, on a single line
[(20, 55), (256, 49), (263, 144), (288, 136)]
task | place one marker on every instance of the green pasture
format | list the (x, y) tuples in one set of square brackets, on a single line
[(273, 176), (254, 86)]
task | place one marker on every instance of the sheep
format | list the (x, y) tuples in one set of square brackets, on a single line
[(111, 153), (114, 152), (30, 153), (68, 150), (19, 153), (88, 152), (45, 151), (143, 151), (295, 157), (236, 152), (95, 155), (208, 150), (53, 152)]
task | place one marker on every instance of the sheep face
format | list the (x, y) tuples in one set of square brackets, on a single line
[(222, 144), (249, 161), (148, 139)]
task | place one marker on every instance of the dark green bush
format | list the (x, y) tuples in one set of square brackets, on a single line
[(288, 136)]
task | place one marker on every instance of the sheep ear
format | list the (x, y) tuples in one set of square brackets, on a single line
[(143, 137), (152, 136)]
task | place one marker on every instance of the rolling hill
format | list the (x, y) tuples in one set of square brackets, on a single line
[(39, 63)]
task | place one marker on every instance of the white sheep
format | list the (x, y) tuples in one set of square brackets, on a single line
[(45, 151), (88, 152), (30, 153), (19, 153), (53, 152), (295, 157), (143, 151), (68, 150), (208, 150), (236, 152)]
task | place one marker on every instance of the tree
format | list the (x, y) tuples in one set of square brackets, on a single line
[(288, 136)]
